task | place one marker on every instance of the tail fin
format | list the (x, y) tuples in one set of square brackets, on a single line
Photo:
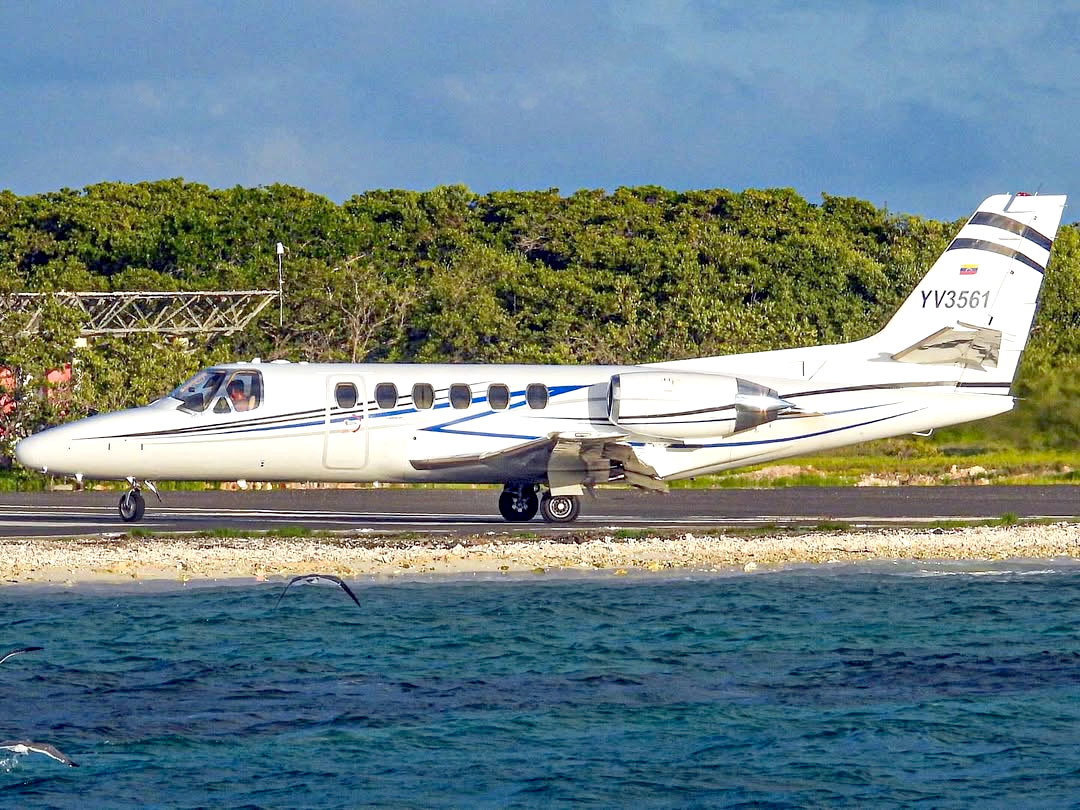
[(974, 309)]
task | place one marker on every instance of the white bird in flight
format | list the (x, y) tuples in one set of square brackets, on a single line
[(314, 578), (31, 747)]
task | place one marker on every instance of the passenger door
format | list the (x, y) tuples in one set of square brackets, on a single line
[(346, 445)]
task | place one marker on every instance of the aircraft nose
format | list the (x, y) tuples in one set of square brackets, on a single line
[(33, 452)]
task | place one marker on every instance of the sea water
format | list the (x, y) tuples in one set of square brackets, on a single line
[(936, 685)]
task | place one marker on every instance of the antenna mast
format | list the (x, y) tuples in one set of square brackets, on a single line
[(280, 286)]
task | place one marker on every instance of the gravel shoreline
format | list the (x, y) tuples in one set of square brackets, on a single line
[(125, 559)]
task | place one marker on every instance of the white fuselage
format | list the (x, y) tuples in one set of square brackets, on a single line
[(298, 431)]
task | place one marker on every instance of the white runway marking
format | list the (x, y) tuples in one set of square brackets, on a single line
[(56, 524)]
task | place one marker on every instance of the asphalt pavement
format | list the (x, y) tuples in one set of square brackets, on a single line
[(392, 509)]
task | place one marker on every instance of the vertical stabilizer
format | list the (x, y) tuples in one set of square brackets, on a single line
[(984, 288)]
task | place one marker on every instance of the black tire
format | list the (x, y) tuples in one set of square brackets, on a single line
[(560, 508), (132, 506), (518, 508)]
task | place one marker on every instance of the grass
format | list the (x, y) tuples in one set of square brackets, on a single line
[(226, 534), (22, 481), (905, 463), (290, 531), (832, 526), (633, 534)]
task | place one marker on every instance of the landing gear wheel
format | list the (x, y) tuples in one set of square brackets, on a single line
[(518, 505), (132, 506), (560, 508)]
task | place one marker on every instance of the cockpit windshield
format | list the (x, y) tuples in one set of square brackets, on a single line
[(197, 392), (229, 392)]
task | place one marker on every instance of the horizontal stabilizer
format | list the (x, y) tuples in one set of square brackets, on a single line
[(976, 347)]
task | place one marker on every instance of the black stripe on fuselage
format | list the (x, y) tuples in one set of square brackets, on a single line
[(883, 386), (677, 413), (993, 247), (264, 421), (1012, 226)]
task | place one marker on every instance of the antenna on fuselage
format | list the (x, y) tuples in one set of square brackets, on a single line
[(280, 286)]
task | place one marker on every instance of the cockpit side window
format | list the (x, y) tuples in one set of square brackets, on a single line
[(244, 390), (197, 393)]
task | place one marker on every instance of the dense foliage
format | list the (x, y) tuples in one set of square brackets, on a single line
[(638, 275)]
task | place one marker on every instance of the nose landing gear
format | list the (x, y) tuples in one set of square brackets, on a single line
[(132, 503)]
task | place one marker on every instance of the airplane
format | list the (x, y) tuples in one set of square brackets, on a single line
[(549, 433)]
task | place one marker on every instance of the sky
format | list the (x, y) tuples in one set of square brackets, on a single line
[(922, 107)]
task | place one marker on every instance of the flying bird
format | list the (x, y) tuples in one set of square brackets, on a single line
[(19, 651), (31, 747), (315, 578)]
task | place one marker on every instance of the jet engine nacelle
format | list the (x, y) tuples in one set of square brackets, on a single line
[(688, 405)]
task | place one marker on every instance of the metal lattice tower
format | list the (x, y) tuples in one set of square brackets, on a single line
[(169, 313)]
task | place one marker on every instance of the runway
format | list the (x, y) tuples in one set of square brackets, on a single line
[(468, 511)]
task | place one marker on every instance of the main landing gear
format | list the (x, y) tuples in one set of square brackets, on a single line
[(520, 502), (559, 508), (132, 503)]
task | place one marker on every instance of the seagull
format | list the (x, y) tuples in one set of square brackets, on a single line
[(314, 578), (20, 651), (31, 747)]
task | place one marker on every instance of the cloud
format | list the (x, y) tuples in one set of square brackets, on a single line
[(926, 107)]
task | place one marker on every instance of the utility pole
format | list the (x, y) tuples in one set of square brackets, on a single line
[(280, 286)]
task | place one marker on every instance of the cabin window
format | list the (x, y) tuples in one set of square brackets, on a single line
[(386, 395), (423, 396), (498, 396), (345, 395), (460, 396), (244, 390), (536, 394)]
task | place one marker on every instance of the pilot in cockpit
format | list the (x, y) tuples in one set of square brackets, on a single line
[(239, 399)]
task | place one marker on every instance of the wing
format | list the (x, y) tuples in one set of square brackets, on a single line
[(51, 751), (348, 590), (286, 588), (566, 461), (974, 347), (337, 581), (18, 652), (517, 462)]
